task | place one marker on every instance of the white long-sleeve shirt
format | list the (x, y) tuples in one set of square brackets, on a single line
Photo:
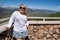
[(19, 20)]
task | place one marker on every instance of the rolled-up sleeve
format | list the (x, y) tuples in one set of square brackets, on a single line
[(11, 20)]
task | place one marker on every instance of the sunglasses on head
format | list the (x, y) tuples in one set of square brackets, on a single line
[(22, 8)]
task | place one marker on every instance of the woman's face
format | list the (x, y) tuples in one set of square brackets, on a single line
[(22, 9)]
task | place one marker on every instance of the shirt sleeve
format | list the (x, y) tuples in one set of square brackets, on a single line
[(11, 20), (27, 24)]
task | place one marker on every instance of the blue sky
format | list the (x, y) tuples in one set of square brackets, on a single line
[(41, 4)]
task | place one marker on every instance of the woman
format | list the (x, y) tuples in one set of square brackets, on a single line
[(19, 18)]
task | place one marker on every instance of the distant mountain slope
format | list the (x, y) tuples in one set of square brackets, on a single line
[(41, 10), (7, 11)]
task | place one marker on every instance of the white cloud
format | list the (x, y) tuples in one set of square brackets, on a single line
[(58, 7)]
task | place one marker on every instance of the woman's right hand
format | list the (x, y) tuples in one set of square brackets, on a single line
[(6, 26)]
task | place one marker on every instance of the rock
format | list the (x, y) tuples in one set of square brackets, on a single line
[(44, 38), (30, 28), (53, 39), (40, 39), (56, 26), (29, 35), (51, 28), (46, 30), (49, 39), (48, 36), (55, 36), (51, 32), (32, 37), (58, 39), (41, 27), (40, 33), (47, 26), (57, 31)]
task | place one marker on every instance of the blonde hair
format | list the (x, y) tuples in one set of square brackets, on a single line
[(25, 12)]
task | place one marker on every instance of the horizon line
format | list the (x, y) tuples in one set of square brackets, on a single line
[(28, 7)]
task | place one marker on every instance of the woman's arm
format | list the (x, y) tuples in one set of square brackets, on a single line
[(11, 20), (27, 24)]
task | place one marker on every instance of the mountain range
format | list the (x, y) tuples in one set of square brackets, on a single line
[(31, 11)]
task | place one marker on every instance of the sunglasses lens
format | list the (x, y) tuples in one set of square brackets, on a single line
[(22, 8)]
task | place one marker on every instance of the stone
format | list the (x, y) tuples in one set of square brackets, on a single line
[(30, 28), (46, 30), (58, 39), (48, 36), (47, 26), (57, 31), (50, 32), (32, 37), (56, 26), (29, 35), (40, 39), (55, 36), (49, 39), (51, 28), (41, 27), (53, 39), (40, 33), (44, 38)]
